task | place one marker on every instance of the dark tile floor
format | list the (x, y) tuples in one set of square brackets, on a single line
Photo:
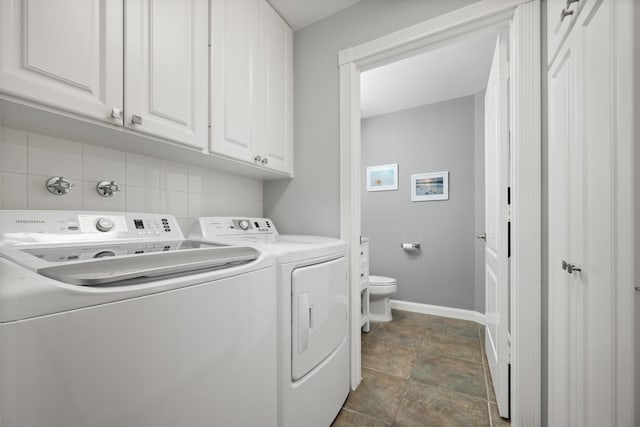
[(420, 370)]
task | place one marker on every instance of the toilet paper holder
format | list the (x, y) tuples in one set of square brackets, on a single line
[(409, 246)]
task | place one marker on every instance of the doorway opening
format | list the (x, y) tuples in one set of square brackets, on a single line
[(523, 112)]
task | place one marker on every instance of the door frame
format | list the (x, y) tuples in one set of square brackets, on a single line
[(523, 19)]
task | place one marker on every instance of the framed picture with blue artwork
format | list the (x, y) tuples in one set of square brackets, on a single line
[(382, 178), (430, 186)]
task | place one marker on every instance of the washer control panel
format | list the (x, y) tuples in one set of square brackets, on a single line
[(216, 227), (67, 226)]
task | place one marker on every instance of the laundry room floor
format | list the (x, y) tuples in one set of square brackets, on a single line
[(422, 370)]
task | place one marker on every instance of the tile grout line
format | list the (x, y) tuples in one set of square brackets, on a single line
[(406, 384)]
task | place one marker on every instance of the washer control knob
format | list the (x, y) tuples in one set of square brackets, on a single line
[(244, 224), (104, 224)]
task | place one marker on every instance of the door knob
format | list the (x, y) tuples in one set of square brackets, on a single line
[(482, 236)]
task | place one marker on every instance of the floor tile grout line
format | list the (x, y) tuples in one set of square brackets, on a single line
[(366, 415)]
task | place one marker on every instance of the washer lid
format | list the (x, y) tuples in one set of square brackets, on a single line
[(381, 281)]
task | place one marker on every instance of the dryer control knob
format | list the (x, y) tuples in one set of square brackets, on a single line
[(104, 224), (244, 224)]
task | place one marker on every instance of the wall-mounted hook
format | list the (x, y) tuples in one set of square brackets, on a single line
[(59, 186)]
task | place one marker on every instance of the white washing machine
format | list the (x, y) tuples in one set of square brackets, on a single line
[(114, 320), (312, 307)]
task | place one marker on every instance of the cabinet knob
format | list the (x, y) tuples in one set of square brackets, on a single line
[(264, 161), (482, 236), (257, 159), (116, 113), (136, 120)]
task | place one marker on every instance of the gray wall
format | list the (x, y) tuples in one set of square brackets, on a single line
[(437, 137), (310, 203)]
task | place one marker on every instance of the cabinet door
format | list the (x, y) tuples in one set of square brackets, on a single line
[(64, 54), (234, 75), (564, 352), (561, 17), (166, 73), (276, 121), (581, 227)]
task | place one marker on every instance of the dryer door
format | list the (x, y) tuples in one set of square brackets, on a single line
[(319, 313)]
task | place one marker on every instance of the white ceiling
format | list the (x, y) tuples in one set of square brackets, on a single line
[(450, 72), (300, 13)]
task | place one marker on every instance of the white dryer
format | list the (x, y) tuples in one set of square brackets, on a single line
[(312, 307), (113, 319)]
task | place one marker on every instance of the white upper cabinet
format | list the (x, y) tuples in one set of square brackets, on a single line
[(64, 54), (166, 73), (276, 123), (251, 84), (234, 50)]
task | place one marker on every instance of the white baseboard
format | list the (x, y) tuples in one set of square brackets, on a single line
[(455, 313)]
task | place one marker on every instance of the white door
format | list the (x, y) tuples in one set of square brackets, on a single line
[(276, 50), (234, 74), (64, 54), (581, 200), (496, 221), (166, 69)]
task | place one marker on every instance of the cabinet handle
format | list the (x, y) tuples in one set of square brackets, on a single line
[(265, 160), (257, 159), (136, 120), (570, 268), (565, 13), (116, 113), (570, 2)]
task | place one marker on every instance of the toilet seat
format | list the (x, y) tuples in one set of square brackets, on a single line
[(381, 281), (380, 285)]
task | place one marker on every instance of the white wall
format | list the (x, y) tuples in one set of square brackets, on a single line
[(310, 203), (27, 160)]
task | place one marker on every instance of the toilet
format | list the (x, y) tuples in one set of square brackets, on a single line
[(380, 290)]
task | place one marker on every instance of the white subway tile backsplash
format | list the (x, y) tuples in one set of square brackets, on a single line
[(13, 154), (101, 164), (174, 177), (38, 197), (14, 190), (220, 184), (92, 201), (246, 188), (175, 203), (27, 160), (220, 206), (199, 180), (140, 199), (142, 171), (50, 156)]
